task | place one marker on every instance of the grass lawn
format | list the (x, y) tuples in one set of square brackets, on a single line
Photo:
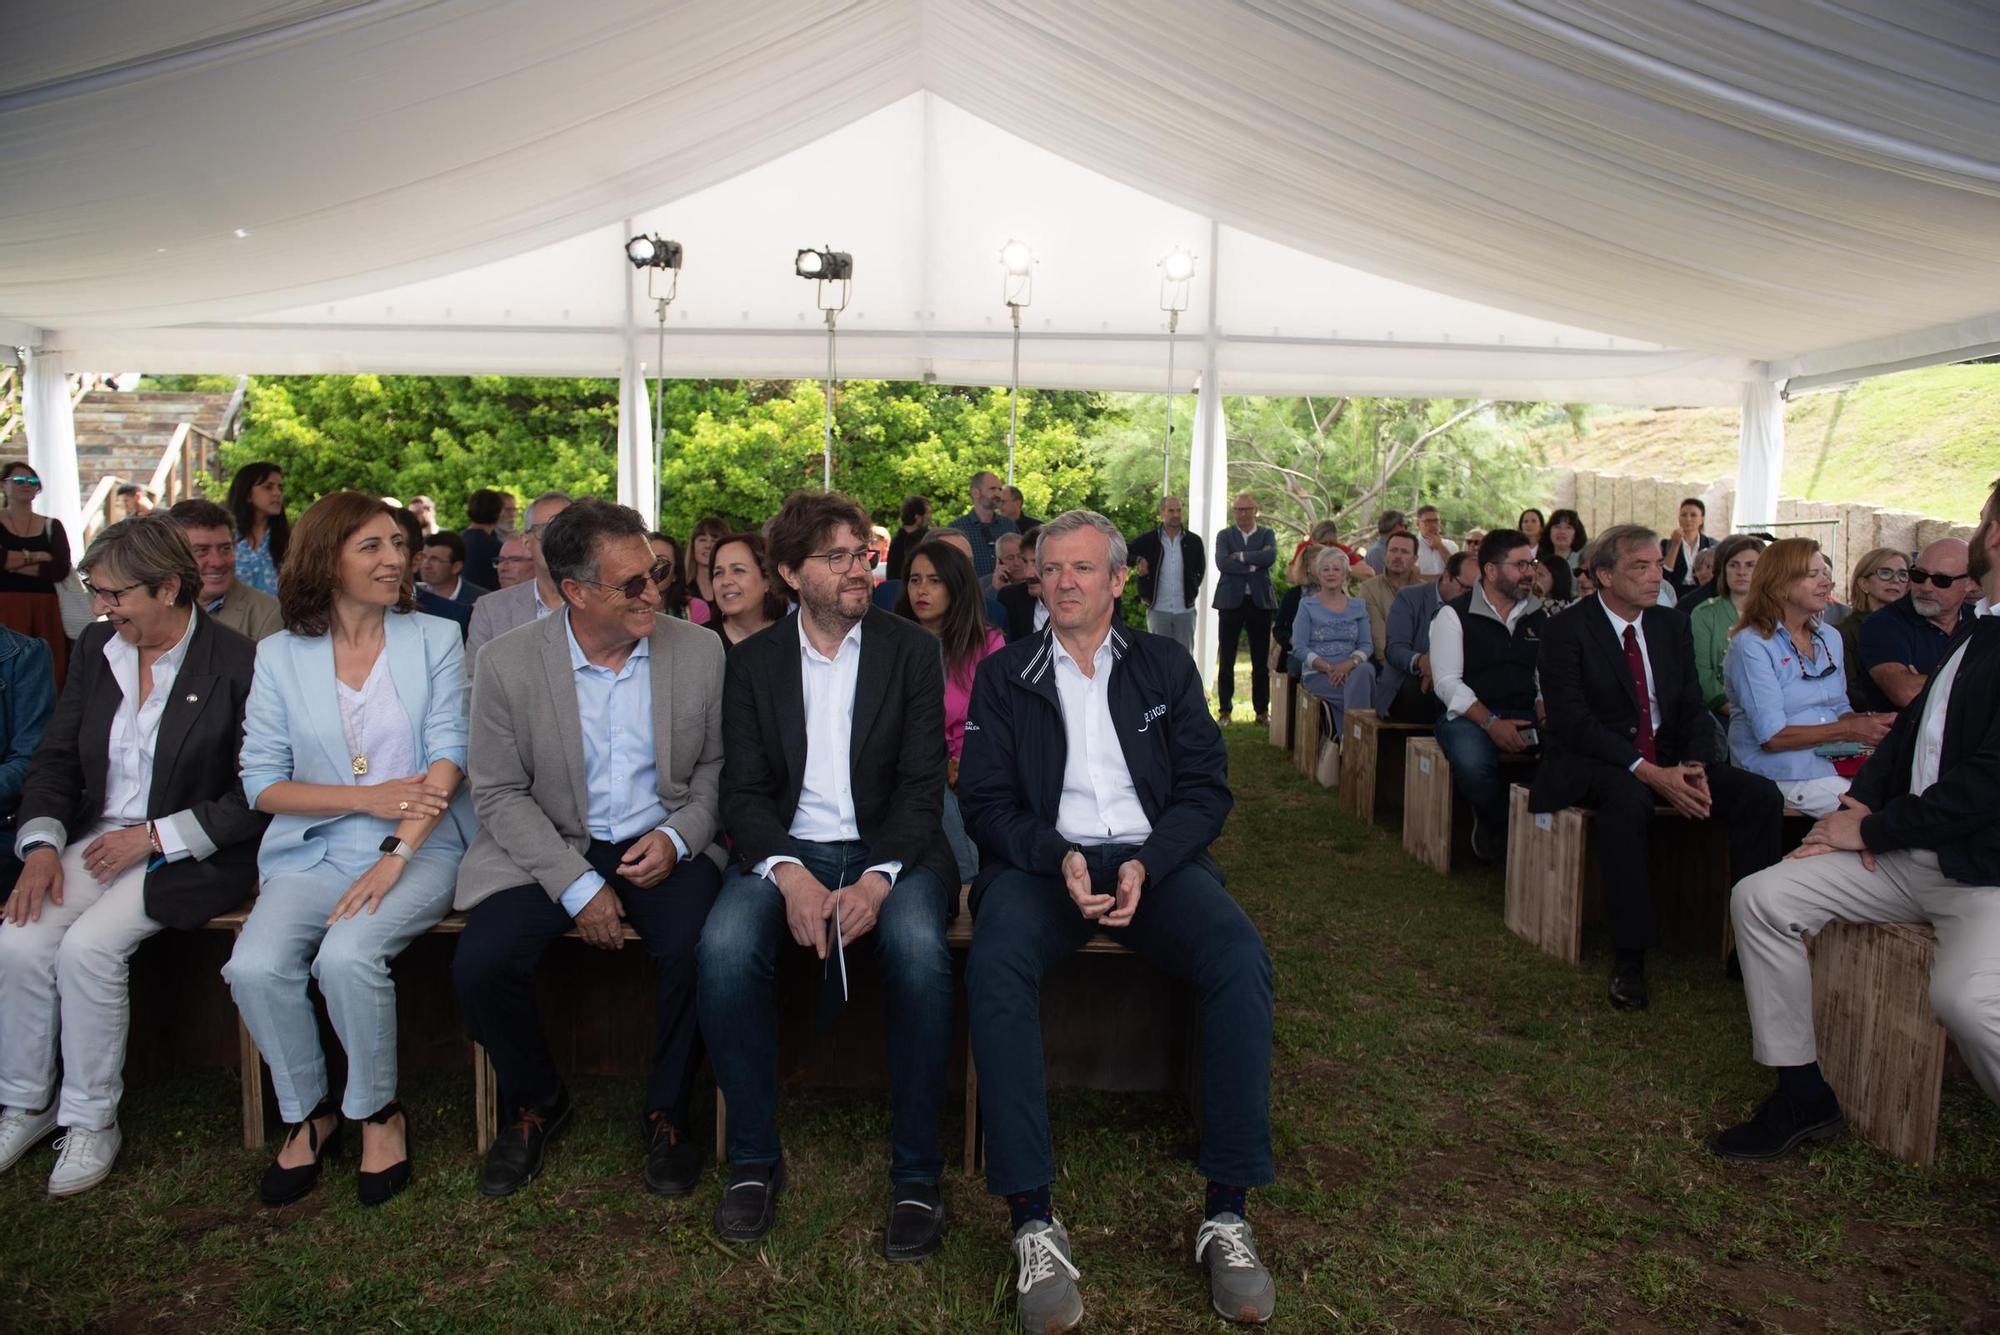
[(1467, 1136)]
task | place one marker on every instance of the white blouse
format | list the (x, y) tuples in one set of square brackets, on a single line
[(377, 726)]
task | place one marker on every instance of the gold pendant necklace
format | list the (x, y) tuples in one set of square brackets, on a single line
[(360, 764)]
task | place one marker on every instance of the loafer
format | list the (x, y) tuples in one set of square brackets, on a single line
[(673, 1162), (516, 1157), (83, 1159), (749, 1204), (1779, 1126), (1628, 990), (282, 1186), (21, 1131), (916, 1223), (1240, 1288), (1046, 1300)]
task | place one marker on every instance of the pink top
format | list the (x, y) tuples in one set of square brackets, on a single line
[(697, 610), (958, 695)]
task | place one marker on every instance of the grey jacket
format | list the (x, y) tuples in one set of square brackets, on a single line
[(526, 763), (1244, 562), (495, 615)]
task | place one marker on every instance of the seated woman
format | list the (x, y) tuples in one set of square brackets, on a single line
[(355, 742), (1785, 681), (1711, 623), (1704, 581), (1881, 577), (1332, 639), (1554, 583), (1564, 539), (941, 594), (131, 820), (744, 600)]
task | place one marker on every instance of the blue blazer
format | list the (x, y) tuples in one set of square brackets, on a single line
[(291, 725), (1244, 562)]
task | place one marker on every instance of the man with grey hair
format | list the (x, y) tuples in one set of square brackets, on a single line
[(983, 524), (1170, 564), (530, 600), (1094, 781), (1903, 642), (1626, 729)]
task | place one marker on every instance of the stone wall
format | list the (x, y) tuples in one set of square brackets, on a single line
[(1845, 531)]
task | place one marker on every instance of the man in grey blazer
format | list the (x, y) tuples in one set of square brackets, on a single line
[(531, 600), (596, 757), (1244, 555)]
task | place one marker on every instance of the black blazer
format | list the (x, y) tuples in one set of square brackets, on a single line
[(897, 756), (194, 767), (1954, 817), (1679, 573), (1019, 602), (1194, 564), (1593, 711)]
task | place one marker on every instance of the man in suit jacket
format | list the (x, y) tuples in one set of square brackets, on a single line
[(132, 819), (1915, 839), (1626, 729), (1170, 564), (833, 785), (596, 757), (1244, 554), (211, 534), (1021, 612), (530, 600), (441, 566), (1404, 690)]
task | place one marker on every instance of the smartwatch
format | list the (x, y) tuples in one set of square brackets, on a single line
[(393, 845)]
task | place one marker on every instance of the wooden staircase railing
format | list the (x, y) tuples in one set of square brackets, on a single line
[(184, 463)]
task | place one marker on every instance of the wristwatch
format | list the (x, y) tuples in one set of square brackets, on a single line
[(391, 844)]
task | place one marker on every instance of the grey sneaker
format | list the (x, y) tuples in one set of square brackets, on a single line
[(1049, 1302), (1239, 1286)]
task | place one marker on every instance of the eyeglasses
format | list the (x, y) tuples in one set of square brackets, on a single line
[(109, 597), (25, 480), (840, 562), (635, 587), (1918, 575), (1891, 575)]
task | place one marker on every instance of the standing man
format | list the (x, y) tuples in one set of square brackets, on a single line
[(1902, 644), (484, 510), (441, 566), (1011, 502), (211, 534), (1432, 545), (1094, 782), (1626, 728), (1244, 555), (1399, 572), (916, 522), (984, 523), (1404, 690), (530, 600), (1171, 565), (834, 784), (1914, 841), (425, 509), (613, 703)]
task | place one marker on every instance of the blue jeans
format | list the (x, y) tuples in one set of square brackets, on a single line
[(1475, 768), (1188, 925), (962, 847), (738, 958)]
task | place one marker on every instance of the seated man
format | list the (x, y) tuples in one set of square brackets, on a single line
[(1484, 646), (595, 761), (429, 601), (1094, 780), (1901, 644), (1379, 592), (1021, 610), (1625, 729), (834, 784), (441, 566), (211, 533), (1405, 689), (1915, 840)]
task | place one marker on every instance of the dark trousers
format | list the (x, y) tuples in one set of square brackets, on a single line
[(1748, 805), (1234, 621), (1188, 925), (739, 955), (1475, 767), (505, 937)]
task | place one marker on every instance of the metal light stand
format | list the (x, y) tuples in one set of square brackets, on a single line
[(1173, 300), (832, 313), (660, 303), (1018, 291)]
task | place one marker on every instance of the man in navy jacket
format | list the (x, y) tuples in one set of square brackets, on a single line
[(1094, 780)]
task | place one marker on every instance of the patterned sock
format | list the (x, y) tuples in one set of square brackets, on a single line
[(1223, 1199), (1803, 1084), (1026, 1205)]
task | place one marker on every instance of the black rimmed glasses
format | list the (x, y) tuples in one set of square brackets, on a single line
[(634, 588), (109, 597), (840, 562)]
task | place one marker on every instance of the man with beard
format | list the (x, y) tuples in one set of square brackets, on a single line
[(1901, 644), (1914, 841), (833, 792)]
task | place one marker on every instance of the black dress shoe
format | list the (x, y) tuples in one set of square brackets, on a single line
[(1628, 990), (380, 1188), (749, 1203), (282, 1186), (673, 1163), (1779, 1126), (916, 1223), (516, 1157)]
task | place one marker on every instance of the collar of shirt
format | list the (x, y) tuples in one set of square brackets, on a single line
[(643, 648), (1618, 623), (1483, 606), (124, 659), (1100, 659), (812, 655), (214, 605)]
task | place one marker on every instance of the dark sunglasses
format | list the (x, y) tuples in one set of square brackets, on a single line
[(1918, 575), (25, 480), (662, 570), (1825, 658)]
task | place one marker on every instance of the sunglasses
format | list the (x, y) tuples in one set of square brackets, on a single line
[(635, 587), (25, 480), (1825, 657), (1918, 575)]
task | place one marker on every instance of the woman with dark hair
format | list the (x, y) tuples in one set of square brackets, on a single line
[(257, 503), (745, 602), (674, 600), (1554, 584), (941, 594), (354, 741), (1532, 523), (701, 567), (36, 552), (1679, 550), (1564, 538)]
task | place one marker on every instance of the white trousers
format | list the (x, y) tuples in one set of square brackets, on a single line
[(63, 980), (1778, 908)]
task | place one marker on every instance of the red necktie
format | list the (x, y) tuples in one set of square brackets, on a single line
[(1635, 663)]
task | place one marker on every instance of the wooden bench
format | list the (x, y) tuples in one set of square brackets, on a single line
[(1373, 761), (1308, 727), (1284, 692), (1427, 804), (1880, 1046)]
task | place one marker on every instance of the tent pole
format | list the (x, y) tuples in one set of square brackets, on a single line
[(1014, 397), (1167, 444), (827, 471)]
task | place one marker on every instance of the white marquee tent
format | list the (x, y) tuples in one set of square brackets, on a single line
[(1646, 201)]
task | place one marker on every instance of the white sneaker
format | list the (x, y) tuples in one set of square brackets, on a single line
[(21, 1131), (83, 1159)]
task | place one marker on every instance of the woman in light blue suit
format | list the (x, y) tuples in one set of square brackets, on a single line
[(354, 740)]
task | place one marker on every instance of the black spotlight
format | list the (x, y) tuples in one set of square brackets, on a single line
[(652, 252), (824, 265)]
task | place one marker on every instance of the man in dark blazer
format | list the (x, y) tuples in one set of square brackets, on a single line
[(1915, 840), (132, 819), (833, 794), (1244, 555), (1170, 550), (1626, 730), (1022, 613)]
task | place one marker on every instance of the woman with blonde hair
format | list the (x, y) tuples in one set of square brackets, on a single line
[(1787, 692), (1881, 577)]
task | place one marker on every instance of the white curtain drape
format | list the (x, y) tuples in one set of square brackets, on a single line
[(1760, 456), (51, 424), (638, 485), (1208, 503)]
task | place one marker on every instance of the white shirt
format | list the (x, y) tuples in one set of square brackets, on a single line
[(1041, 614), (1618, 625), (1447, 649), (1429, 563), (1170, 580), (1099, 803), (135, 732), (374, 724), (825, 812), (1930, 731)]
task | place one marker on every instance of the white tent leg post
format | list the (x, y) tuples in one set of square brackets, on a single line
[(638, 487), (1208, 502), (1760, 456), (51, 424)]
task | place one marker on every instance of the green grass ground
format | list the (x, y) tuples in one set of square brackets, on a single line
[(1467, 1137)]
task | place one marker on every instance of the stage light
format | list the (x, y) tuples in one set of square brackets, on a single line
[(1178, 266), (650, 251), (830, 266), (1018, 260)]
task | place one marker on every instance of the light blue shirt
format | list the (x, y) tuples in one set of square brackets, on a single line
[(621, 770), (254, 565), (1770, 688)]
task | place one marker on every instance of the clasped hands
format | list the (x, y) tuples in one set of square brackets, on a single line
[(1838, 831), (1112, 910), (650, 859), (809, 906)]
